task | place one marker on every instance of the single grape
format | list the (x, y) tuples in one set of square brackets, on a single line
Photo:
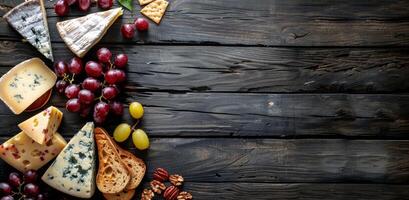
[(93, 69), (61, 8), (75, 65), (72, 91), (85, 96), (91, 84), (116, 108), (8, 197), (120, 75), (60, 68), (84, 5), (85, 110), (5, 189), (101, 109), (73, 105), (128, 31), (111, 76), (60, 85), (31, 190), (15, 179), (141, 24), (105, 4), (136, 110), (140, 139), (121, 60), (109, 92), (122, 132), (42, 197), (99, 119), (104, 55), (30, 176)]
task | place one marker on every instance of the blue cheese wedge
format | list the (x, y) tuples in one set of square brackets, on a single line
[(30, 20), (73, 171), (81, 34)]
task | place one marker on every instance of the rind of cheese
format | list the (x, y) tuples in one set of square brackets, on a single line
[(25, 83), (42, 126), (25, 154), (30, 20), (81, 34), (73, 171)]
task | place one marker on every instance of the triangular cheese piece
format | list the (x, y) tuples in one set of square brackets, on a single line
[(73, 171), (30, 20), (81, 34), (41, 127), (155, 10)]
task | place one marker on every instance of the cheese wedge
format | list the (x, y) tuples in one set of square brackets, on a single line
[(30, 20), (81, 34), (41, 127), (25, 83), (25, 154), (73, 171)]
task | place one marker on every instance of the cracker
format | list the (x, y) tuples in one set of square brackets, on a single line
[(144, 2), (155, 10)]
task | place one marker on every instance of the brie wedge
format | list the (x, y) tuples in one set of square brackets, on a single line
[(30, 20), (81, 34)]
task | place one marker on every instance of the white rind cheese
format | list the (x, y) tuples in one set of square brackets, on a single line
[(81, 34), (30, 20), (73, 171)]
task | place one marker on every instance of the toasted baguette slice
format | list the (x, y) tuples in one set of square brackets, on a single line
[(135, 165), (124, 195), (113, 175)]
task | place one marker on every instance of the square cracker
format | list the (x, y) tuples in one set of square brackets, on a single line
[(143, 2), (155, 10)]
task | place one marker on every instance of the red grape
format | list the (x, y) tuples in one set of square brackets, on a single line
[(14, 179), (105, 4), (60, 68), (109, 93), (121, 60), (141, 24), (73, 105), (5, 189), (60, 86), (31, 190), (71, 2), (75, 66), (72, 91), (101, 111), (30, 176), (8, 197), (61, 8), (42, 197), (99, 119), (86, 96), (120, 75), (103, 54), (128, 31), (84, 5), (91, 84), (111, 77), (117, 108), (85, 110), (93, 69)]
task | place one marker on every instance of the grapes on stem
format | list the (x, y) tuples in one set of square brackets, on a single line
[(73, 105), (86, 96), (60, 68), (121, 60), (104, 55), (61, 8), (93, 69), (122, 132), (72, 91), (91, 84), (15, 179), (75, 65), (30, 176), (109, 92), (5, 189), (136, 110), (31, 190), (116, 108)]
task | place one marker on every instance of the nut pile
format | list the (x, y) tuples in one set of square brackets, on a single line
[(172, 192)]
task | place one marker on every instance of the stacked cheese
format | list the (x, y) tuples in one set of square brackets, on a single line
[(37, 144)]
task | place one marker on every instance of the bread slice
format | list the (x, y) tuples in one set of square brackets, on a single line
[(125, 195), (113, 175), (135, 165)]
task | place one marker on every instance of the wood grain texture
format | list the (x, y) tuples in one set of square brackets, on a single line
[(247, 69), (264, 22), (252, 115)]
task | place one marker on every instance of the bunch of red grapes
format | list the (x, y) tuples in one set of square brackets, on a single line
[(19, 187), (62, 7), (98, 91)]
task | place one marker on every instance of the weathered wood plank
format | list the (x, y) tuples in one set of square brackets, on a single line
[(252, 115), (276, 161), (248, 69), (265, 22)]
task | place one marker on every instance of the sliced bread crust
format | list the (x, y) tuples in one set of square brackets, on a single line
[(135, 165), (125, 195)]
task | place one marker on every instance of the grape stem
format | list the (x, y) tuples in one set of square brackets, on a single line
[(136, 124)]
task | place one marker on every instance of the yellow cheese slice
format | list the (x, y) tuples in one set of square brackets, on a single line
[(81, 34), (41, 127), (25, 83), (25, 154)]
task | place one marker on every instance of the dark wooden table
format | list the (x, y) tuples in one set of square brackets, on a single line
[(264, 99)]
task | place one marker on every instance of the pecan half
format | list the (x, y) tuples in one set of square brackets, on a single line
[(171, 193), (184, 196), (161, 175), (176, 179), (147, 194), (157, 186)]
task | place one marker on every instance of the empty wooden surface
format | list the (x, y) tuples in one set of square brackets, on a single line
[(262, 99)]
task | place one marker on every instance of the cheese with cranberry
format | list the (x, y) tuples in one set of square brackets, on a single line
[(25, 154), (41, 127)]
